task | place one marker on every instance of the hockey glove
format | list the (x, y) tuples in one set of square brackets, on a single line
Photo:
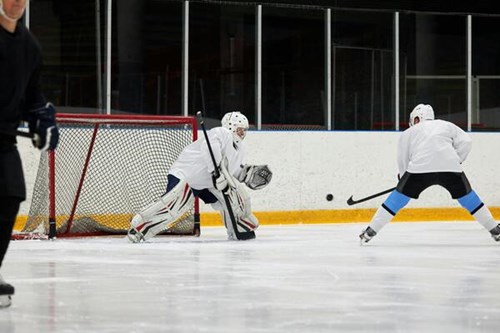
[(42, 123), (220, 182), (255, 177)]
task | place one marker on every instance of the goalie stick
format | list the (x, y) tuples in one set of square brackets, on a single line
[(239, 235), (351, 201)]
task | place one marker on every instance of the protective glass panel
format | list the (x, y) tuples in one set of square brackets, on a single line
[(433, 65)]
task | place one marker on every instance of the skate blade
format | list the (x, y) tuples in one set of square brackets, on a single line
[(134, 236), (5, 301), (363, 241)]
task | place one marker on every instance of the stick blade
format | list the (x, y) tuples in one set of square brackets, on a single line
[(245, 235), (350, 201)]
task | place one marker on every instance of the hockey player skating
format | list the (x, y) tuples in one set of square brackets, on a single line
[(192, 174), (431, 152), (20, 99)]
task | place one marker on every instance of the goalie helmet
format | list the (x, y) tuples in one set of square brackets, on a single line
[(423, 112), (237, 123)]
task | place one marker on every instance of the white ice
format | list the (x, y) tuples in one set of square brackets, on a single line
[(412, 277)]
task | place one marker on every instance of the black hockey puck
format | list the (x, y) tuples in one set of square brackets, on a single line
[(329, 197)]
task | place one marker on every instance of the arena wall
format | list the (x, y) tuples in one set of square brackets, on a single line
[(309, 165)]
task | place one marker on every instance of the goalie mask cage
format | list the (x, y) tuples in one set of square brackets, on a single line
[(105, 169)]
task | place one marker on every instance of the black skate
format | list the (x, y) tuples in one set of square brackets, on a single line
[(6, 292), (367, 235), (495, 233)]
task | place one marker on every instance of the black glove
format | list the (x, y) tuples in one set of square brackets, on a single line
[(42, 123)]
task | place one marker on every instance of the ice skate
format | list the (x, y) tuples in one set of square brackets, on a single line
[(6, 292), (141, 231), (367, 235), (495, 233), (137, 226), (134, 236)]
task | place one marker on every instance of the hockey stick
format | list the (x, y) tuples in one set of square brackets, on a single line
[(239, 235), (351, 201)]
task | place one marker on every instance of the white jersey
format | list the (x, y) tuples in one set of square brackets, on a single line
[(195, 165), (433, 146)]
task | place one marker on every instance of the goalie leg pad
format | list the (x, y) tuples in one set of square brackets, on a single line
[(238, 198), (159, 215), (245, 224), (244, 216), (248, 222), (240, 205)]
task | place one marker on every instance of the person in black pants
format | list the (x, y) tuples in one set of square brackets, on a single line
[(21, 99)]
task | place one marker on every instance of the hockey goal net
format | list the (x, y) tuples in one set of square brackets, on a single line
[(105, 169)]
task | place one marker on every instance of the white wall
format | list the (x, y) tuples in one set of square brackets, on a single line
[(309, 165), (30, 157)]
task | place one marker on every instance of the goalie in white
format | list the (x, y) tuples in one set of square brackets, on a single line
[(192, 174)]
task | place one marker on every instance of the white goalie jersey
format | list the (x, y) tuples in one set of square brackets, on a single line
[(197, 171)]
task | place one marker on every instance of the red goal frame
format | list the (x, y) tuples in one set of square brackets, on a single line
[(99, 120)]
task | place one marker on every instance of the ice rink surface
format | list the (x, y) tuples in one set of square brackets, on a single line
[(413, 277)]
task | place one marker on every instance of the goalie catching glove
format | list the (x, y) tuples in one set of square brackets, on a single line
[(42, 123), (255, 176)]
